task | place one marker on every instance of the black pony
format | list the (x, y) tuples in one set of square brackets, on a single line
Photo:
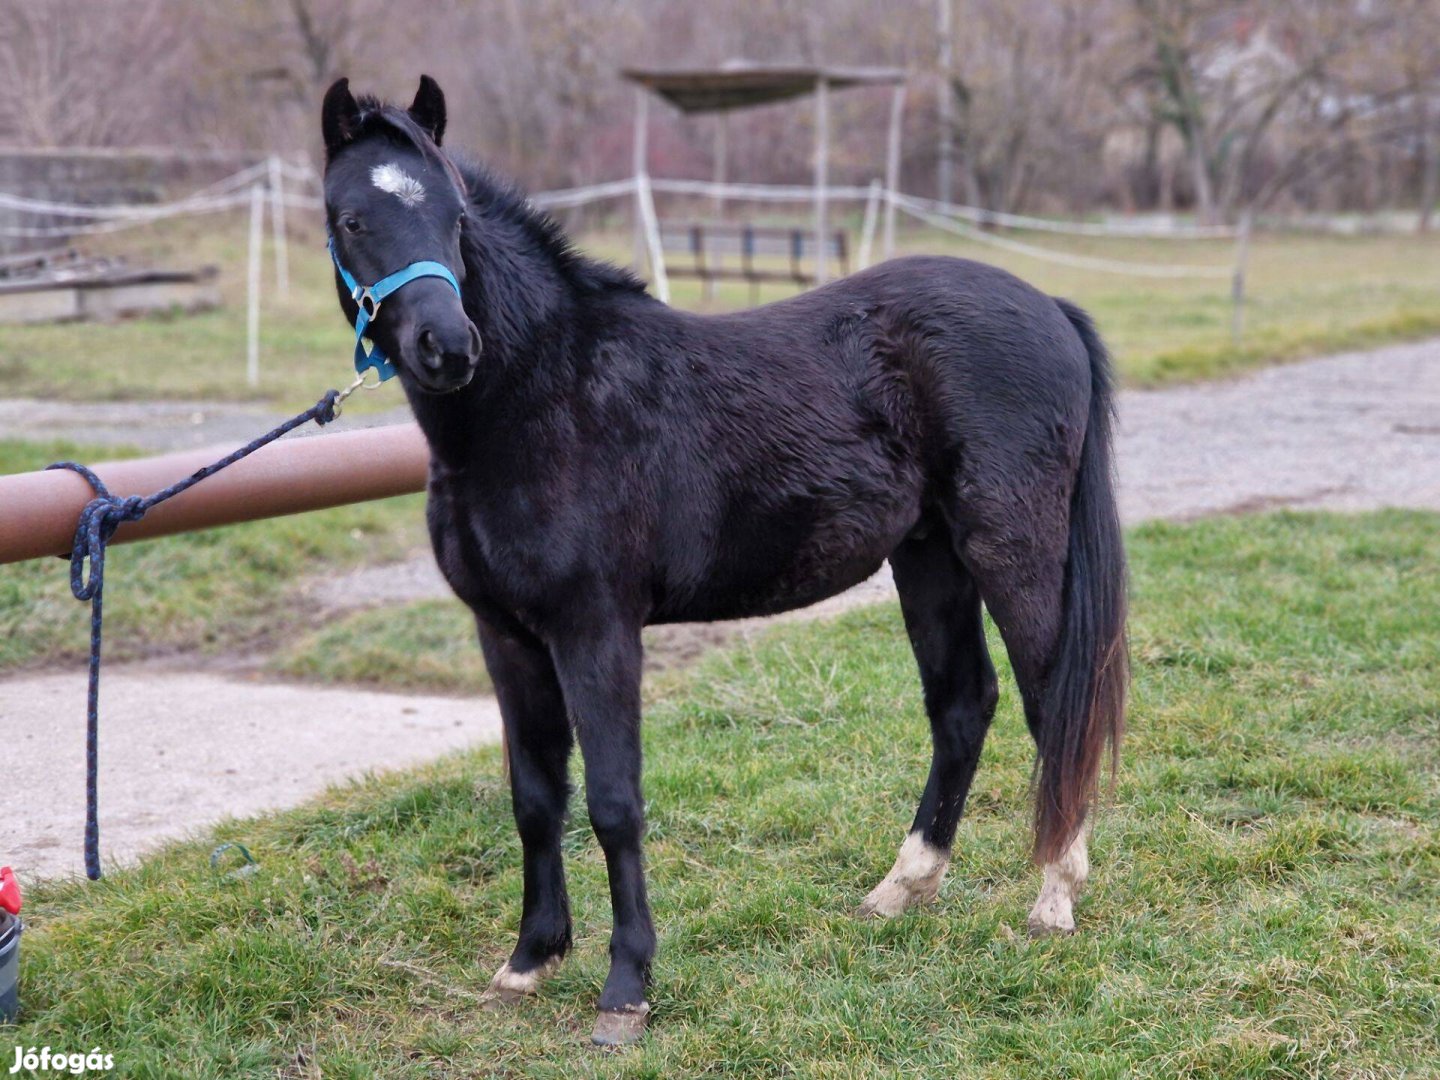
[(600, 461)]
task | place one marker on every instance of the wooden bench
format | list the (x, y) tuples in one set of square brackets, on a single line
[(724, 251)]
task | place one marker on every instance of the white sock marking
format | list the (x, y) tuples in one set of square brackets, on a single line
[(1054, 911), (914, 879), (390, 177), (509, 984)]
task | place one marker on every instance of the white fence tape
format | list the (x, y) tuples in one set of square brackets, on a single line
[(757, 192), (981, 216), (1084, 262), (130, 221), (567, 197), (232, 192)]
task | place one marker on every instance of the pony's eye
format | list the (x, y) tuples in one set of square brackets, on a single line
[(350, 224), (460, 222)]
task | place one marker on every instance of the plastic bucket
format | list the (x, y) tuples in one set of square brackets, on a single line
[(9, 967)]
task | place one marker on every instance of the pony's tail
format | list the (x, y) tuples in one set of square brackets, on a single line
[(1084, 707)]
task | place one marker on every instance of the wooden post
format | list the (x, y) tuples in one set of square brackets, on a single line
[(252, 312), (277, 221), (892, 165), (1237, 279), (640, 167), (822, 179), (867, 230)]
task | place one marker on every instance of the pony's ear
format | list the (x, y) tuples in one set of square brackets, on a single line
[(428, 108), (339, 117)]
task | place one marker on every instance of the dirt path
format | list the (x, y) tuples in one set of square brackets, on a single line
[(1357, 431)]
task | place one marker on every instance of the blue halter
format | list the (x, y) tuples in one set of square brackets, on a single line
[(368, 298)]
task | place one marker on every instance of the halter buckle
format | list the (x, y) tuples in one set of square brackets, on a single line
[(366, 301)]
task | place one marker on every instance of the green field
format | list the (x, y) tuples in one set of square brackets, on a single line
[(1264, 901), (1308, 295)]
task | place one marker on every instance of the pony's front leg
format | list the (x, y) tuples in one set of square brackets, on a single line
[(538, 741), (599, 671)]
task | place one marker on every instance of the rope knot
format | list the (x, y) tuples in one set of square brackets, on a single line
[(98, 521), (326, 408)]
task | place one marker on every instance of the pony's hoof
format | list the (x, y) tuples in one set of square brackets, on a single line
[(914, 879), (885, 901), (1050, 923), (620, 1027), (509, 987)]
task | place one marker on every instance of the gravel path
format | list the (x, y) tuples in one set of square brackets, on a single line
[(159, 425), (180, 750), (1357, 431)]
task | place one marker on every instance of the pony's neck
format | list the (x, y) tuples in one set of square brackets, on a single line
[(521, 299), (528, 292)]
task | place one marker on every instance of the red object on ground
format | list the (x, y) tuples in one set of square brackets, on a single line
[(9, 891)]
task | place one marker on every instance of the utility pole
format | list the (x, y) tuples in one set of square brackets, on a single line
[(945, 151)]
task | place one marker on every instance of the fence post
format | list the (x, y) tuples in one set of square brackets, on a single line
[(867, 230), (277, 220), (1237, 279), (252, 314)]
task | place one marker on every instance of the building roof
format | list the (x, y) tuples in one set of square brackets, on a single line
[(743, 85)]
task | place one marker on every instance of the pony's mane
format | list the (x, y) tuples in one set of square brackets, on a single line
[(499, 199)]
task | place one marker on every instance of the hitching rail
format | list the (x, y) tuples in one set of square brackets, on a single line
[(38, 510)]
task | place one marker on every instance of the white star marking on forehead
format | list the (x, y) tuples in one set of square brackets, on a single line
[(390, 177)]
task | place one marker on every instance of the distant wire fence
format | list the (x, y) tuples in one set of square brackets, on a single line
[(275, 186)]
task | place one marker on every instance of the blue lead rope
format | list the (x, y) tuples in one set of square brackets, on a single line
[(106, 512), (98, 521), (368, 298)]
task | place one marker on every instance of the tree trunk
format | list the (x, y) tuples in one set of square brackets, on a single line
[(1429, 167)]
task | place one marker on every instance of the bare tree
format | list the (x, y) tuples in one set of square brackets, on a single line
[(73, 73)]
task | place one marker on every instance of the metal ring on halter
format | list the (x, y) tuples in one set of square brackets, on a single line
[(358, 384)]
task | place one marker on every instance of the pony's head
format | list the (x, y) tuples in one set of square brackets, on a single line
[(393, 199)]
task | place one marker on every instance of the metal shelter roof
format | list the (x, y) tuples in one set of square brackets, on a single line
[(742, 85)]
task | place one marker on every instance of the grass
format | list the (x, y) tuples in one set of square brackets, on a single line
[(202, 593), (429, 644), (1307, 295), (1263, 905)]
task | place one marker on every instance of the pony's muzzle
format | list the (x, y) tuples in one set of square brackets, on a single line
[(446, 352)]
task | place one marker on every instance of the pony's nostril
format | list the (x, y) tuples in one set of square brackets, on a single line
[(430, 350), (474, 343)]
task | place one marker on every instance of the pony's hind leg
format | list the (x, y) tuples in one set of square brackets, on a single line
[(942, 615), (1025, 598), (538, 741)]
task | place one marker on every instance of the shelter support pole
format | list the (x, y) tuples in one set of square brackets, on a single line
[(277, 221), (822, 162), (641, 168), (722, 154), (292, 476), (252, 298), (1237, 279), (892, 164), (945, 152)]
